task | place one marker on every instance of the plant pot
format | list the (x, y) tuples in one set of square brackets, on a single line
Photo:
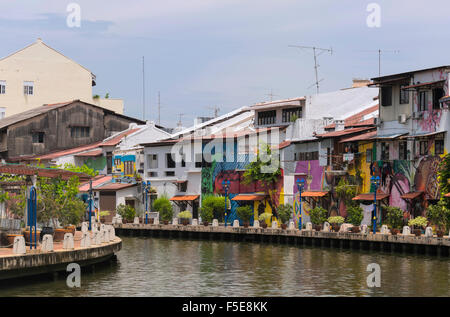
[(26, 234), (246, 224), (59, 234), (417, 232), (70, 229), (356, 229), (151, 221), (264, 225), (317, 227), (205, 223), (283, 226), (395, 232), (46, 230), (166, 222), (440, 233), (10, 239), (335, 227)]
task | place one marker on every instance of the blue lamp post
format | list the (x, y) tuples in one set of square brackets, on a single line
[(226, 187), (300, 186), (90, 202), (146, 189), (375, 182)]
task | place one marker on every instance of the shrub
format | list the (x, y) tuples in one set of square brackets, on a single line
[(126, 211), (216, 204), (439, 215), (420, 222), (318, 215), (206, 214), (264, 217), (355, 215), (285, 212), (164, 207), (185, 215), (245, 213), (336, 220), (394, 217)]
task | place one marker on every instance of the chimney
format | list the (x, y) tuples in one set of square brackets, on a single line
[(358, 82)]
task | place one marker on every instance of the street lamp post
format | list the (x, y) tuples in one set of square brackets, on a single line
[(146, 189), (300, 186), (375, 180), (90, 204), (226, 187)]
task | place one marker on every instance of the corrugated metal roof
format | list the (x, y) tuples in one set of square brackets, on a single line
[(370, 196), (314, 194), (343, 132), (113, 186), (411, 195), (361, 137), (115, 139), (184, 198), (96, 152), (247, 197), (97, 180), (75, 150)]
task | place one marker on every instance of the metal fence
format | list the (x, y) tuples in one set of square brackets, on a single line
[(9, 224)]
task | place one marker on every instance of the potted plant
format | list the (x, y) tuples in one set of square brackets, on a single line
[(336, 222), (439, 215), (216, 204), (318, 216), (164, 207), (245, 213), (207, 215), (418, 223), (394, 219), (355, 216), (127, 212), (185, 216), (263, 218), (104, 214), (285, 214)]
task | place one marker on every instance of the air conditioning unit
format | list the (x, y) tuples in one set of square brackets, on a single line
[(402, 118), (417, 115), (377, 121)]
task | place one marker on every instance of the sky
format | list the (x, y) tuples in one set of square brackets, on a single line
[(201, 54)]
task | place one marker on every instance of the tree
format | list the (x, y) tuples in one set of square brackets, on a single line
[(346, 192), (265, 169), (164, 207), (439, 215), (444, 178)]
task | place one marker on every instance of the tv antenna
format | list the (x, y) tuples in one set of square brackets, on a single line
[(143, 89), (317, 51), (380, 51), (179, 119), (159, 108), (271, 95), (216, 110)]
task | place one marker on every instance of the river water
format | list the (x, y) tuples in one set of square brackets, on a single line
[(169, 267)]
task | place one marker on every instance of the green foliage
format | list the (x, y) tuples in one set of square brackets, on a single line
[(96, 97), (355, 215), (206, 214), (17, 203), (79, 169), (318, 215), (126, 211), (285, 212), (420, 222), (214, 205), (336, 220), (107, 95), (294, 118), (185, 215), (105, 213), (346, 191), (164, 207), (444, 178), (244, 213), (394, 217), (264, 217), (439, 215), (265, 168)]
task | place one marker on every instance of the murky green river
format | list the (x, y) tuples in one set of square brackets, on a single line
[(169, 267)]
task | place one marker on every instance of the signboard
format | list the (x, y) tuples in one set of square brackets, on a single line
[(348, 157)]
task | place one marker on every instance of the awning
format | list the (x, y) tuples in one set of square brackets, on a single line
[(184, 198), (243, 197), (389, 81), (369, 196), (411, 195), (389, 136), (179, 182), (362, 137), (424, 85), (314, 194), (445, 99), (422, 135), (447, 195)]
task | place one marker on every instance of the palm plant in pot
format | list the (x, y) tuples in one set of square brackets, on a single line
[(245, 213), (185, 216), (355, 216), (318, 216), (164, 207), (285, 214), (127, 212), (336, 222), (418, 224), (263, 218), (207, 215), (394, 219), (439, 215)]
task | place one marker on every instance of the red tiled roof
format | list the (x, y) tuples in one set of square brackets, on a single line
[(96, 152), (115, 140), (67, 152), (424, 84), (411, 195), (185, 198), (113, 186), (314, 194), (97, 180), (248, 197), (19, 169), (358, 117), (284, 144), (343, 132), (360, 137), (370, 197)]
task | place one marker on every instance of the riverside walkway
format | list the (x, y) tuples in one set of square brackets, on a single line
[(374, 242)]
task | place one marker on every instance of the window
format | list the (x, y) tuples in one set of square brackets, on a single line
[(384, 151), (307, 156), (108, 162), (128, 167), (402, 150), (38, 137), (152, 174), (28, 87), (152, 161), (170, 163), (170, 173), (289, 114), (423, 100), (2, 87), (439, 146), (183, 161), (198, 160), (404, 96), (117, 161), (79, 132), (423, 147), (267, 117), (386, 96), (369, 155), (438, 93)]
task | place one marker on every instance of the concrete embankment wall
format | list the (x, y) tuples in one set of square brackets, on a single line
[(357, 241), (13, 266)]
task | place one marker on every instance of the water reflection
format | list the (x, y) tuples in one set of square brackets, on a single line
[(166, 267)]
